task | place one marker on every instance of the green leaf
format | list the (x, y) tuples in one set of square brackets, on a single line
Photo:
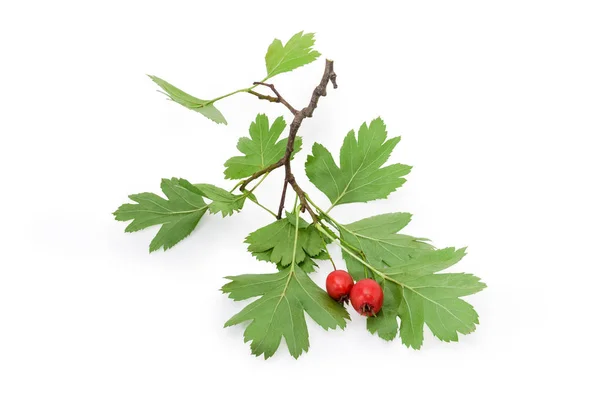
[(222, 200), (418, 295), (360, 176), (279, 313), (377, 238), (434, 300), (408, 269), (297, 52), (178, 215), (275, 242), (189, 101), (260, 150)]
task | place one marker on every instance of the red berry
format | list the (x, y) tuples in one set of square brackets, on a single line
[(366, 297), (338, 284)]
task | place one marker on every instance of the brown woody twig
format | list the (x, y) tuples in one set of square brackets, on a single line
[(263, 96), (299, 116), (279, 98)]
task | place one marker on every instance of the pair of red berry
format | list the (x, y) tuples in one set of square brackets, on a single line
[(366, 296)]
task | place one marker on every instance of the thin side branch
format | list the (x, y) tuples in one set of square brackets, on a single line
[(259, 173), (264, 96), (280, 99)]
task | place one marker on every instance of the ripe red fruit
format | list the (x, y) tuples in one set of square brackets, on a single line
[(367, 297), (339, 284)]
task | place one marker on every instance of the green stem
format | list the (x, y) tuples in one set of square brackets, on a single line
[(256, 202), (259, 182), (359, 259), (341, 241), (247, 192), (325, 213), (263, 207), (230, 94), (297, 213), (236, 186), (365, 264), (235, 92), (336, 224), (328, 255), (255, 186)]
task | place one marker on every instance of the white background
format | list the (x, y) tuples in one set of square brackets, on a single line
[(498, 106)]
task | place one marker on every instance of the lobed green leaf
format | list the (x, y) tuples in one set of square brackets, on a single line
[(261, 150), (414, 290), (279, 313), (297, 52), (275, 242), (360, 176), (189, 101), (178, 215), (376, 237)]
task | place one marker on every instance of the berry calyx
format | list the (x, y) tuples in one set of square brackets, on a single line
[(367, 297), (339, 283)]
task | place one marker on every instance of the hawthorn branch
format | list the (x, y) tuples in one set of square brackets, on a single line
[(306, 112), (299, 116)]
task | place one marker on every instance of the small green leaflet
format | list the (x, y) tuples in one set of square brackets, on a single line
[(360, 177), (376, 237), (297, 52), (275, 242), (178, 215), (222, 200), (280, 311), (308, 264), (189, 101), (260, 150)]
